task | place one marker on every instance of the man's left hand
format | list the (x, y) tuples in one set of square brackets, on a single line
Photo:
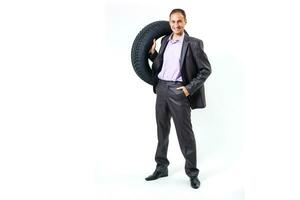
[(185, 91)]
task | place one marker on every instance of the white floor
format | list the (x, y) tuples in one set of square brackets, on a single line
[(215, 184)]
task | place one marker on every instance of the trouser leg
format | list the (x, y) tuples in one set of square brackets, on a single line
[(163, 117), (181, 113)]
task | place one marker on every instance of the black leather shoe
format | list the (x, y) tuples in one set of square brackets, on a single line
[(157, 174), (195, 183)]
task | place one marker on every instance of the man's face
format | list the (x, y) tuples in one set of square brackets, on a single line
[(177, 23)]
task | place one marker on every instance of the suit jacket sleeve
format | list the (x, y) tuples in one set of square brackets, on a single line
[(153, 56), (203, 67)]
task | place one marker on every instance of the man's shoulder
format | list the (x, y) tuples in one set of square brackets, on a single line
[(195, 42), (165, 37), (193, 39)]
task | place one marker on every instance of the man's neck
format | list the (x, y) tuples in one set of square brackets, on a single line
[(176, 36)]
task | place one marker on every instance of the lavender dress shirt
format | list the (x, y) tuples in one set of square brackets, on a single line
[(171, 66)]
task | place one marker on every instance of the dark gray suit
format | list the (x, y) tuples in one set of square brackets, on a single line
[(170, 102), (195, 68)]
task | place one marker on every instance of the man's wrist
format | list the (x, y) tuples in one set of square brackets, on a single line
[(186, 92)]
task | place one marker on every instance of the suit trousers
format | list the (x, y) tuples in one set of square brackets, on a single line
[(171, 102)]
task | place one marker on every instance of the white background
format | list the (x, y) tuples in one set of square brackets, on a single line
[(77, 123)]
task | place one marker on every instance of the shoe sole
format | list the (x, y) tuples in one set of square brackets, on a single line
[(157, 178)]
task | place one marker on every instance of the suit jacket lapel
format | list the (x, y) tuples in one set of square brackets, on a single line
[(163, 45), (184, 49)]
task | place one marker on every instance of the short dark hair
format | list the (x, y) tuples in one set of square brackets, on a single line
[(178, 10)]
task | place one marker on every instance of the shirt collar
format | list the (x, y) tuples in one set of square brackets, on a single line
[(178, 39)]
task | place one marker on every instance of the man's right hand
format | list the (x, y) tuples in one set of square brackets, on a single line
[(152, 50)]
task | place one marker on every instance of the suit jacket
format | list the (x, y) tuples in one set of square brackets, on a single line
[(195, 68)]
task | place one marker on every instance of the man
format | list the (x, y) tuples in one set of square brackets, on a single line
[(180, 69)]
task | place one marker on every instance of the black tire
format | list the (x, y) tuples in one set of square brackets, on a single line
[(141, 46)]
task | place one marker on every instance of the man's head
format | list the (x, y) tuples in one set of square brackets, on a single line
[(177, 21)]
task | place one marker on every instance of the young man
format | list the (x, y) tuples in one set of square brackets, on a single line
[(180, 69)]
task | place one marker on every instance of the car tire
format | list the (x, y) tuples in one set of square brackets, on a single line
[(141, 46)]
